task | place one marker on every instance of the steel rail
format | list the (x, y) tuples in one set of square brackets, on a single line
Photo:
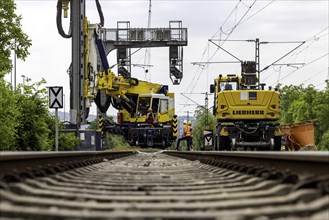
[(18, 162), (299, 163), (157, 186)]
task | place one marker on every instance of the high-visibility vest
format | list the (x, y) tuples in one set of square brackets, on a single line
[(187, 131)]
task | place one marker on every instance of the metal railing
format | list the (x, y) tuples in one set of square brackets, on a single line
[(145, 34)]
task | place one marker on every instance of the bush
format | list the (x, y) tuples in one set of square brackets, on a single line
[(67, 142), (324, 143)]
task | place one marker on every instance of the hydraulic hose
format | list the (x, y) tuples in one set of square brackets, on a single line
[(115, 104), (59, 21), (100, 12)]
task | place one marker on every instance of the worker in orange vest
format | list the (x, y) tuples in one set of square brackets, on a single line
[(183, 138), (188, 134)]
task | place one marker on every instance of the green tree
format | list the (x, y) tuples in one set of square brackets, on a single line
[(33, 131), (288, 95), (321, 109), (9, 114), (300, 103), (66, 141), (26, 123), (324, 143), (203, 120), (11, 36)]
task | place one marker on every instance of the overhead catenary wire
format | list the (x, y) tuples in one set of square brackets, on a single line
[(205, 66), (265, 68), (297, 52), (317, 59), (201, 69), (316, 74), (207, 48), (147, 55), (231, 31), (308, 42), (320, 84), (207, 45)]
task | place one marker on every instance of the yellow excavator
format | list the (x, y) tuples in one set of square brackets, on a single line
[(246, 113), (92, 80), (132, 98)]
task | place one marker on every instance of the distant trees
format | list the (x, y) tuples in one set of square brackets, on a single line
[(300, 103), (202, 120)]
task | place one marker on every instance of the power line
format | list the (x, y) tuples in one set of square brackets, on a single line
[(311, 40), (203, 67), (300, 68), (220, 42), (258, 11), (283, 55), (147, 56), (327, 68), (207, 48), (321, 83), (221, 29), (232, 30)]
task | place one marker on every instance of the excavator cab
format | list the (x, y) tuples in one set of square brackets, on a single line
[(144, 103), (159, 104), (160, 133), (226, 83)]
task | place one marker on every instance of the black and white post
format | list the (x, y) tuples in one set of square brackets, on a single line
[(56, 102)]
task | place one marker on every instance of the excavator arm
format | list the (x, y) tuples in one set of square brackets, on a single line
[(112, 88)]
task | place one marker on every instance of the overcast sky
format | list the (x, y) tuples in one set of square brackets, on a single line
[(272, 21)]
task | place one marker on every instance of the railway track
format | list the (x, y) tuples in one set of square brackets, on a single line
[(158, 185)]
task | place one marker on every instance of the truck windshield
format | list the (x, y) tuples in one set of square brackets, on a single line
[(225, 86), (143, 105)]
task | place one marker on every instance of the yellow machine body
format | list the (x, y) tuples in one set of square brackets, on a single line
[(240, 104), (246, 114), (162, 105)]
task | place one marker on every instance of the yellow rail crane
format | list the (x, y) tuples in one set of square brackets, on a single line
[(132, 98), (246, 113), (91, 77), (132, 115)]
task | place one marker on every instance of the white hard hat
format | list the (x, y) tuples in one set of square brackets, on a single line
[(184, 121)]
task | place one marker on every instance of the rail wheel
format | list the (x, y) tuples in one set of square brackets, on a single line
[(277, 143), (216, 143), (132, 143), (224, 143)]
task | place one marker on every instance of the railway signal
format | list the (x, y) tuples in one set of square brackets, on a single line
[(56, 102)]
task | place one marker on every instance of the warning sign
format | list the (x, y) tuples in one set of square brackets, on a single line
[(56, 97), (208, 138)]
